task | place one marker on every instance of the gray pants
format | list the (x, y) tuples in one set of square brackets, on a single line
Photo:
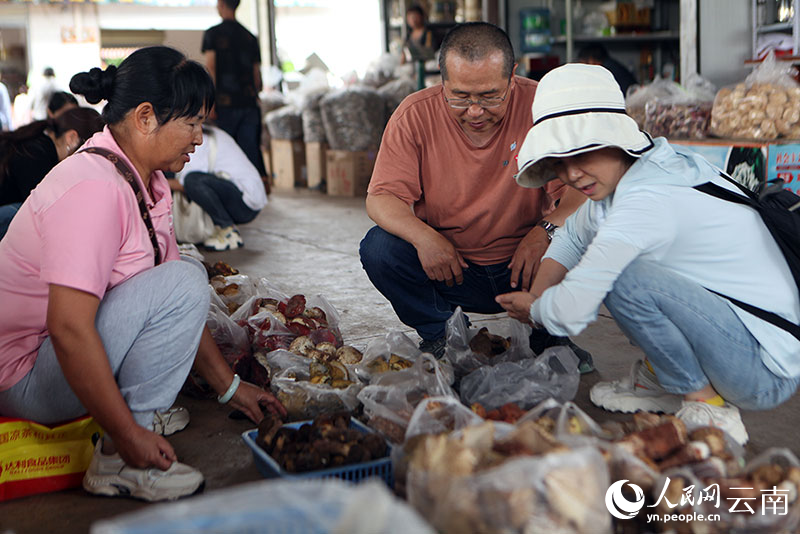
[(150, 326)]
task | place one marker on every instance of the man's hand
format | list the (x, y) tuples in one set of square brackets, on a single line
[(527, 257), (440, 259), (249, 399), (517, 304)]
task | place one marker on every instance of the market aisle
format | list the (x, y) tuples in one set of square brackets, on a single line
[(306, 242)]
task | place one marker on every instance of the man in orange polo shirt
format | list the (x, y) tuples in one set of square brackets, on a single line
[(453, 228)]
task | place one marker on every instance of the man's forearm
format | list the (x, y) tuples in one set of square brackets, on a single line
[(549, 274), (571, 200), (396, 217)]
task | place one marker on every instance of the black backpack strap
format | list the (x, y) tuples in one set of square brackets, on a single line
[(748, 200), (770, 317)]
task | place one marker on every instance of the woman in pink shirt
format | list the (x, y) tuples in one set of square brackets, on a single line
[(98, 316)]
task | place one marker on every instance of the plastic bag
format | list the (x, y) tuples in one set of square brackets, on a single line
[(285, 123), (465, 360), (234, 290), (231, 338), (684, 113), (354, 118), (639, 95), (395, 91), (279, 507), (389, 354), (560, 492), (381, 70), (390, 403), (526, 383), (191, 223), (765, 106)]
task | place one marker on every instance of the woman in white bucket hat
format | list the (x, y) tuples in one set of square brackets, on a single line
[(655, 251)]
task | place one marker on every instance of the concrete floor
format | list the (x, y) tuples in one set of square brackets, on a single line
[(305, 242)]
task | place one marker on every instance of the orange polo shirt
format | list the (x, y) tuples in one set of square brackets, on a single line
[(466, 193)]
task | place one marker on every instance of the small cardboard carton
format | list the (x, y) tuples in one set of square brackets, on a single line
[(349, 172), (316, 163), (288, 163)]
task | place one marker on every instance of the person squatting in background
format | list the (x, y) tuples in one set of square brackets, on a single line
[(222, 181), (99, 316), (28, 153), (647, 246)]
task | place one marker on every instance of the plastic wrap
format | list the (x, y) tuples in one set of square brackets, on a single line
[(459, 490), (526, 383), (354, 118), (684, 113), (390, 403), (231, 338), (378, 358), (395, 91), (278, 507), (763, 107), (638, 96), (465, 360), (236, 290), (381, 70), (313, 127), (285, 123)]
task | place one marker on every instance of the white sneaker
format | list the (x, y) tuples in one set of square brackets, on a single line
[(173, 420), (639, 391), (227, 238), (109, 475), (727, 418)]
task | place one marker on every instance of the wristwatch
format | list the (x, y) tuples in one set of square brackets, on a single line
[(549, 227)]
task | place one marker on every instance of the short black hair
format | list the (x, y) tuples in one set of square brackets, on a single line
[(49, 72), (233, 4), (164, 77), (595, 51), (474, 41), (415, 8), (59, 99)]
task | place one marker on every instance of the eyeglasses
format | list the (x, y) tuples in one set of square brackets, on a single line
[(485, 103)]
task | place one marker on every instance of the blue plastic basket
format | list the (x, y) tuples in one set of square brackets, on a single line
[(269, 468)]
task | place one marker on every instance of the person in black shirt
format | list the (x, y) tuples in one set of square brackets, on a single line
[(596, 54), (233, 59), (28, 153)]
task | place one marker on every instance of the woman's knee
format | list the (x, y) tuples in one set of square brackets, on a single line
[(189, 281), (631, 285)]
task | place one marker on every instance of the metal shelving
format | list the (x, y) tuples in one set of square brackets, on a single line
[(793, 25)]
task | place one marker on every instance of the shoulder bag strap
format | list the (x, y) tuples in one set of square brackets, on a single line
[(127, 173)]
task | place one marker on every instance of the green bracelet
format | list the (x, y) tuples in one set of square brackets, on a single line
[(228, 395)]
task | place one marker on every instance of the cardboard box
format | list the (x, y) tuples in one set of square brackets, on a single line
[(316, 163), (288, 163), (349, 172)]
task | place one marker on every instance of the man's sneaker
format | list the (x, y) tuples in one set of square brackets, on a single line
[(585, 361), (639, 391), (435, 347), (727, 418), (173, 420), (110, 476), (540, 339), (227, 238)]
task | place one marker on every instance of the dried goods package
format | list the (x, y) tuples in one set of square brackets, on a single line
[(354, 118), (765, 106)]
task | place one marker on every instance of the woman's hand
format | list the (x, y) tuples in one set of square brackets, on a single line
[(142, 448), (517, 304), (250, 398)]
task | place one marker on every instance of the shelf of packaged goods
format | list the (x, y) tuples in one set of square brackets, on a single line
[(622, 37)]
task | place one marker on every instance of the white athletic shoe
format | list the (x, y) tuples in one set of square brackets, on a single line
[(639, 391), (727, 418), (173, 420), (109, 475), (227, 238)]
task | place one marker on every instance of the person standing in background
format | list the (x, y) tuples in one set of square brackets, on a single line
[(41, 93), (22, 107), (597, 54), (5, 108), (233, 59)]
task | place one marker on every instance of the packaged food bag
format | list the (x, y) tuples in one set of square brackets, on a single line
[(685, 113), (37, 458), (467, 353), (765, 106)]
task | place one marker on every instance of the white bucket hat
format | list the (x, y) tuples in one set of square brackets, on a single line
[(577, 108)]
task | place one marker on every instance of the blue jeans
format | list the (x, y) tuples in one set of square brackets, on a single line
[(692, 337), (150, 326), (218, 197), (244, 125), (393, 267), (7, 213)]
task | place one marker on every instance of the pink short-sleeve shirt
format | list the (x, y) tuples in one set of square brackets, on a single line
[(80, 228)]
